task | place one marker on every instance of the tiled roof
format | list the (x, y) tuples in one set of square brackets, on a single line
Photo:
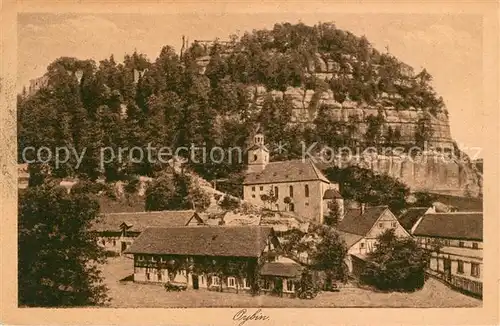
[(411, 216), (355, 223), (332, 194), (286, 171), (459, 225), (281, 269), (139, 221), (235, 241), (464, 204), (349, 238)]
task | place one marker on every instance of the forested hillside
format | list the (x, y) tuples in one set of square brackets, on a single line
[(216, 93)]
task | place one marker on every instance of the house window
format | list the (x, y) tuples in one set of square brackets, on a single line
[(261, 188), (446, 242), (140, 258), (255, 157), (253, 188), (362, 245), (306, 190), (475, 245), (148, 276), (474, 270), (253, 195), (267, 284), (292, 207), (202, 279), (276, 193), (103, 242), (215, 280), (159, 276), (461, 244), (114, 243), (231, 282), (381, 225), (291, 191), (246, 285), (289, 286), (460, 266), (393, 225)]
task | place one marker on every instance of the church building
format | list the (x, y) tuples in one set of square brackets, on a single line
[(297, 185)]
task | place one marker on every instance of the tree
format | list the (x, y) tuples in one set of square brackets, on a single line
[(397, 264), (269, 198), (329, 253), (333, 216), (364, 186), (175, 191), (229, 203), (324, 248), (58, 256)]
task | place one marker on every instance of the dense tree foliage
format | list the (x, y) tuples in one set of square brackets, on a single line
[(365, 186), (396, 264), (176, 191), (167, 102), (57, 258)]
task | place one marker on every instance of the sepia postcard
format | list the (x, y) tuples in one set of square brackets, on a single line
[(249, 162)]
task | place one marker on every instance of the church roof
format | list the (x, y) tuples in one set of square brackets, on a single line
[(286, 171)]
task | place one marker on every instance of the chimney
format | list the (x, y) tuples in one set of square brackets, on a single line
[(362, 211)]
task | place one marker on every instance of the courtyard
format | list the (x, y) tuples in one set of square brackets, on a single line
[(129, 294)]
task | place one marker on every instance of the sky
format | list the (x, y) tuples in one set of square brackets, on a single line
[(448, 46)]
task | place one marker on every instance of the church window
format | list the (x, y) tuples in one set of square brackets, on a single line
[(306, 190), (291, 191)]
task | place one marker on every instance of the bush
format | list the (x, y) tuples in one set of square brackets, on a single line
[(396, 264)]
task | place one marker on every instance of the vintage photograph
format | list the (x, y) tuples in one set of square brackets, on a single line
[(269, 160)]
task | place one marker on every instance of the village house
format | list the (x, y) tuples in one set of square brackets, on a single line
[(298, 185), (456, 244), (117, 231), (360, 229), (195, 256)]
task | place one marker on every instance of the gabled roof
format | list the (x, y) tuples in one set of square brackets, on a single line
[(457, 225), (286, 171), (411, 216), (355, 223), (139, 221), (349, 238), (227, 241), (332, 194)]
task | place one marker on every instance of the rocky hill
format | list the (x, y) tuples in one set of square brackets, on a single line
[(298, 83)]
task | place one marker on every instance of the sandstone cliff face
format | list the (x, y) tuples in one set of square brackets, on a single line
[(306, 103), (428, 173)]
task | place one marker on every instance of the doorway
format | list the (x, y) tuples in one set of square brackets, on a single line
[(195, 282), (447, 269)]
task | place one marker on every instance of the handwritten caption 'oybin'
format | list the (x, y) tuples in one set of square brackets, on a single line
[(243, 316)]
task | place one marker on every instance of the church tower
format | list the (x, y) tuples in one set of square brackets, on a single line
[(258, 155)]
